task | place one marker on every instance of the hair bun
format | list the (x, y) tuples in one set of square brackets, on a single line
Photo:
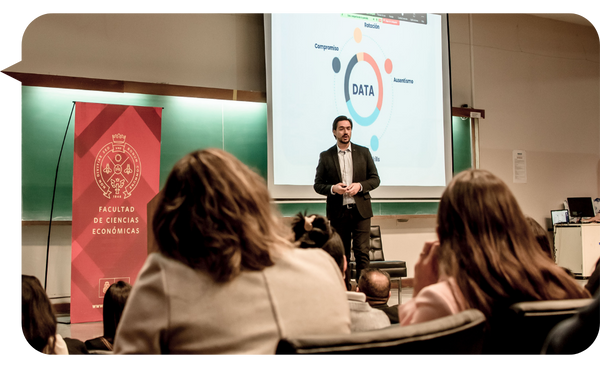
[(308, 226)]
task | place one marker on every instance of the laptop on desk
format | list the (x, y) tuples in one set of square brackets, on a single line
[(559, 217)]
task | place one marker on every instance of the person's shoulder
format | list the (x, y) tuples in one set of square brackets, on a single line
[(441, 287), (356, 296), (332, 149), (157, 259), (158, 263), (358, 147), (445, 291), (313, 259), (308, 254)]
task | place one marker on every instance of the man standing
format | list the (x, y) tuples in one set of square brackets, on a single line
[(346, 174)]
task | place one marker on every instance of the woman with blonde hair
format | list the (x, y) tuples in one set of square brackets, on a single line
[(227, 278), (486, 258)]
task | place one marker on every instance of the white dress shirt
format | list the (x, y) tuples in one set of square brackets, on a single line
[(345, 157)]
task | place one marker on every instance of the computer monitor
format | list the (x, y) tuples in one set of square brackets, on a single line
[(560, 216), (581, 207)]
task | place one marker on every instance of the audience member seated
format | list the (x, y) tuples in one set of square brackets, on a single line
[(310, 231), (376, 285), (486, 258), (541, 236), (37, 324), (227, 279), (112, 309)]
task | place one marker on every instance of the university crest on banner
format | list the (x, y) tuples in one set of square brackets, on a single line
[(112, 176), (116, 172)]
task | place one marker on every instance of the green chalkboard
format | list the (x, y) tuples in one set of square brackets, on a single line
[(461, 144), (187, 124), (379, 209)]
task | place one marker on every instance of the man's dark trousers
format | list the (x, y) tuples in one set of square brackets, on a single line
[(355, 232)]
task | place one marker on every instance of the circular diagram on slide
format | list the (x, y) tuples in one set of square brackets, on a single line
[(365, 94)]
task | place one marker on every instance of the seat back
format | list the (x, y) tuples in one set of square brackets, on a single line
[(525, 326), (375, 245), (376, 248), (461, 333)]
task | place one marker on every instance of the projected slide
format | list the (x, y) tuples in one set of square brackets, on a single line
[(384, 72)]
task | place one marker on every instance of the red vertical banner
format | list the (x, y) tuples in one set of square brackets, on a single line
[(116, 172)]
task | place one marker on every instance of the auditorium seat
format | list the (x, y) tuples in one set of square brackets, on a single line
[(460, 333), (524, 327)]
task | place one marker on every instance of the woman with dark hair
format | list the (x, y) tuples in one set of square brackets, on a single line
[(311, 231), (38, 319), (486, 258), (314, 231), (227, 278), (541, 236), (112, 309)]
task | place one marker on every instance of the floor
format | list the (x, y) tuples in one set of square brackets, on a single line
[(90, 330)]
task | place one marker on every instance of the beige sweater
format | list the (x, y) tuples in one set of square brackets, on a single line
[(176, 309)]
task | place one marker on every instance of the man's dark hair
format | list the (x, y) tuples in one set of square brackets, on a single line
[(340, 118)]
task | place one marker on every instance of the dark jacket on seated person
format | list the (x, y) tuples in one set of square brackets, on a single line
[(381, 304)]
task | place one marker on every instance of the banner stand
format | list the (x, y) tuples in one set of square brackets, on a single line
[(116, 172)]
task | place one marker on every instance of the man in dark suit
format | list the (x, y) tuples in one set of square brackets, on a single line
[(346, 174)]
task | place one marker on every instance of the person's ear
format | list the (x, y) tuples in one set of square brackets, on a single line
[(345, 264)]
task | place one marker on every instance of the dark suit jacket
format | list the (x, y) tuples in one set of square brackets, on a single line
[(391, 312), (329, 174)]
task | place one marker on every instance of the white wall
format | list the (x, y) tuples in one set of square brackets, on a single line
[(33, 253), (207, 50), (538, 81), (536, 78)]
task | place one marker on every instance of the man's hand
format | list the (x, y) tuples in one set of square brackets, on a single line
[(353, 189), (339, 188)]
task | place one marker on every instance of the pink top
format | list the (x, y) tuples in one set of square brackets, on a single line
[(434, 301)]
